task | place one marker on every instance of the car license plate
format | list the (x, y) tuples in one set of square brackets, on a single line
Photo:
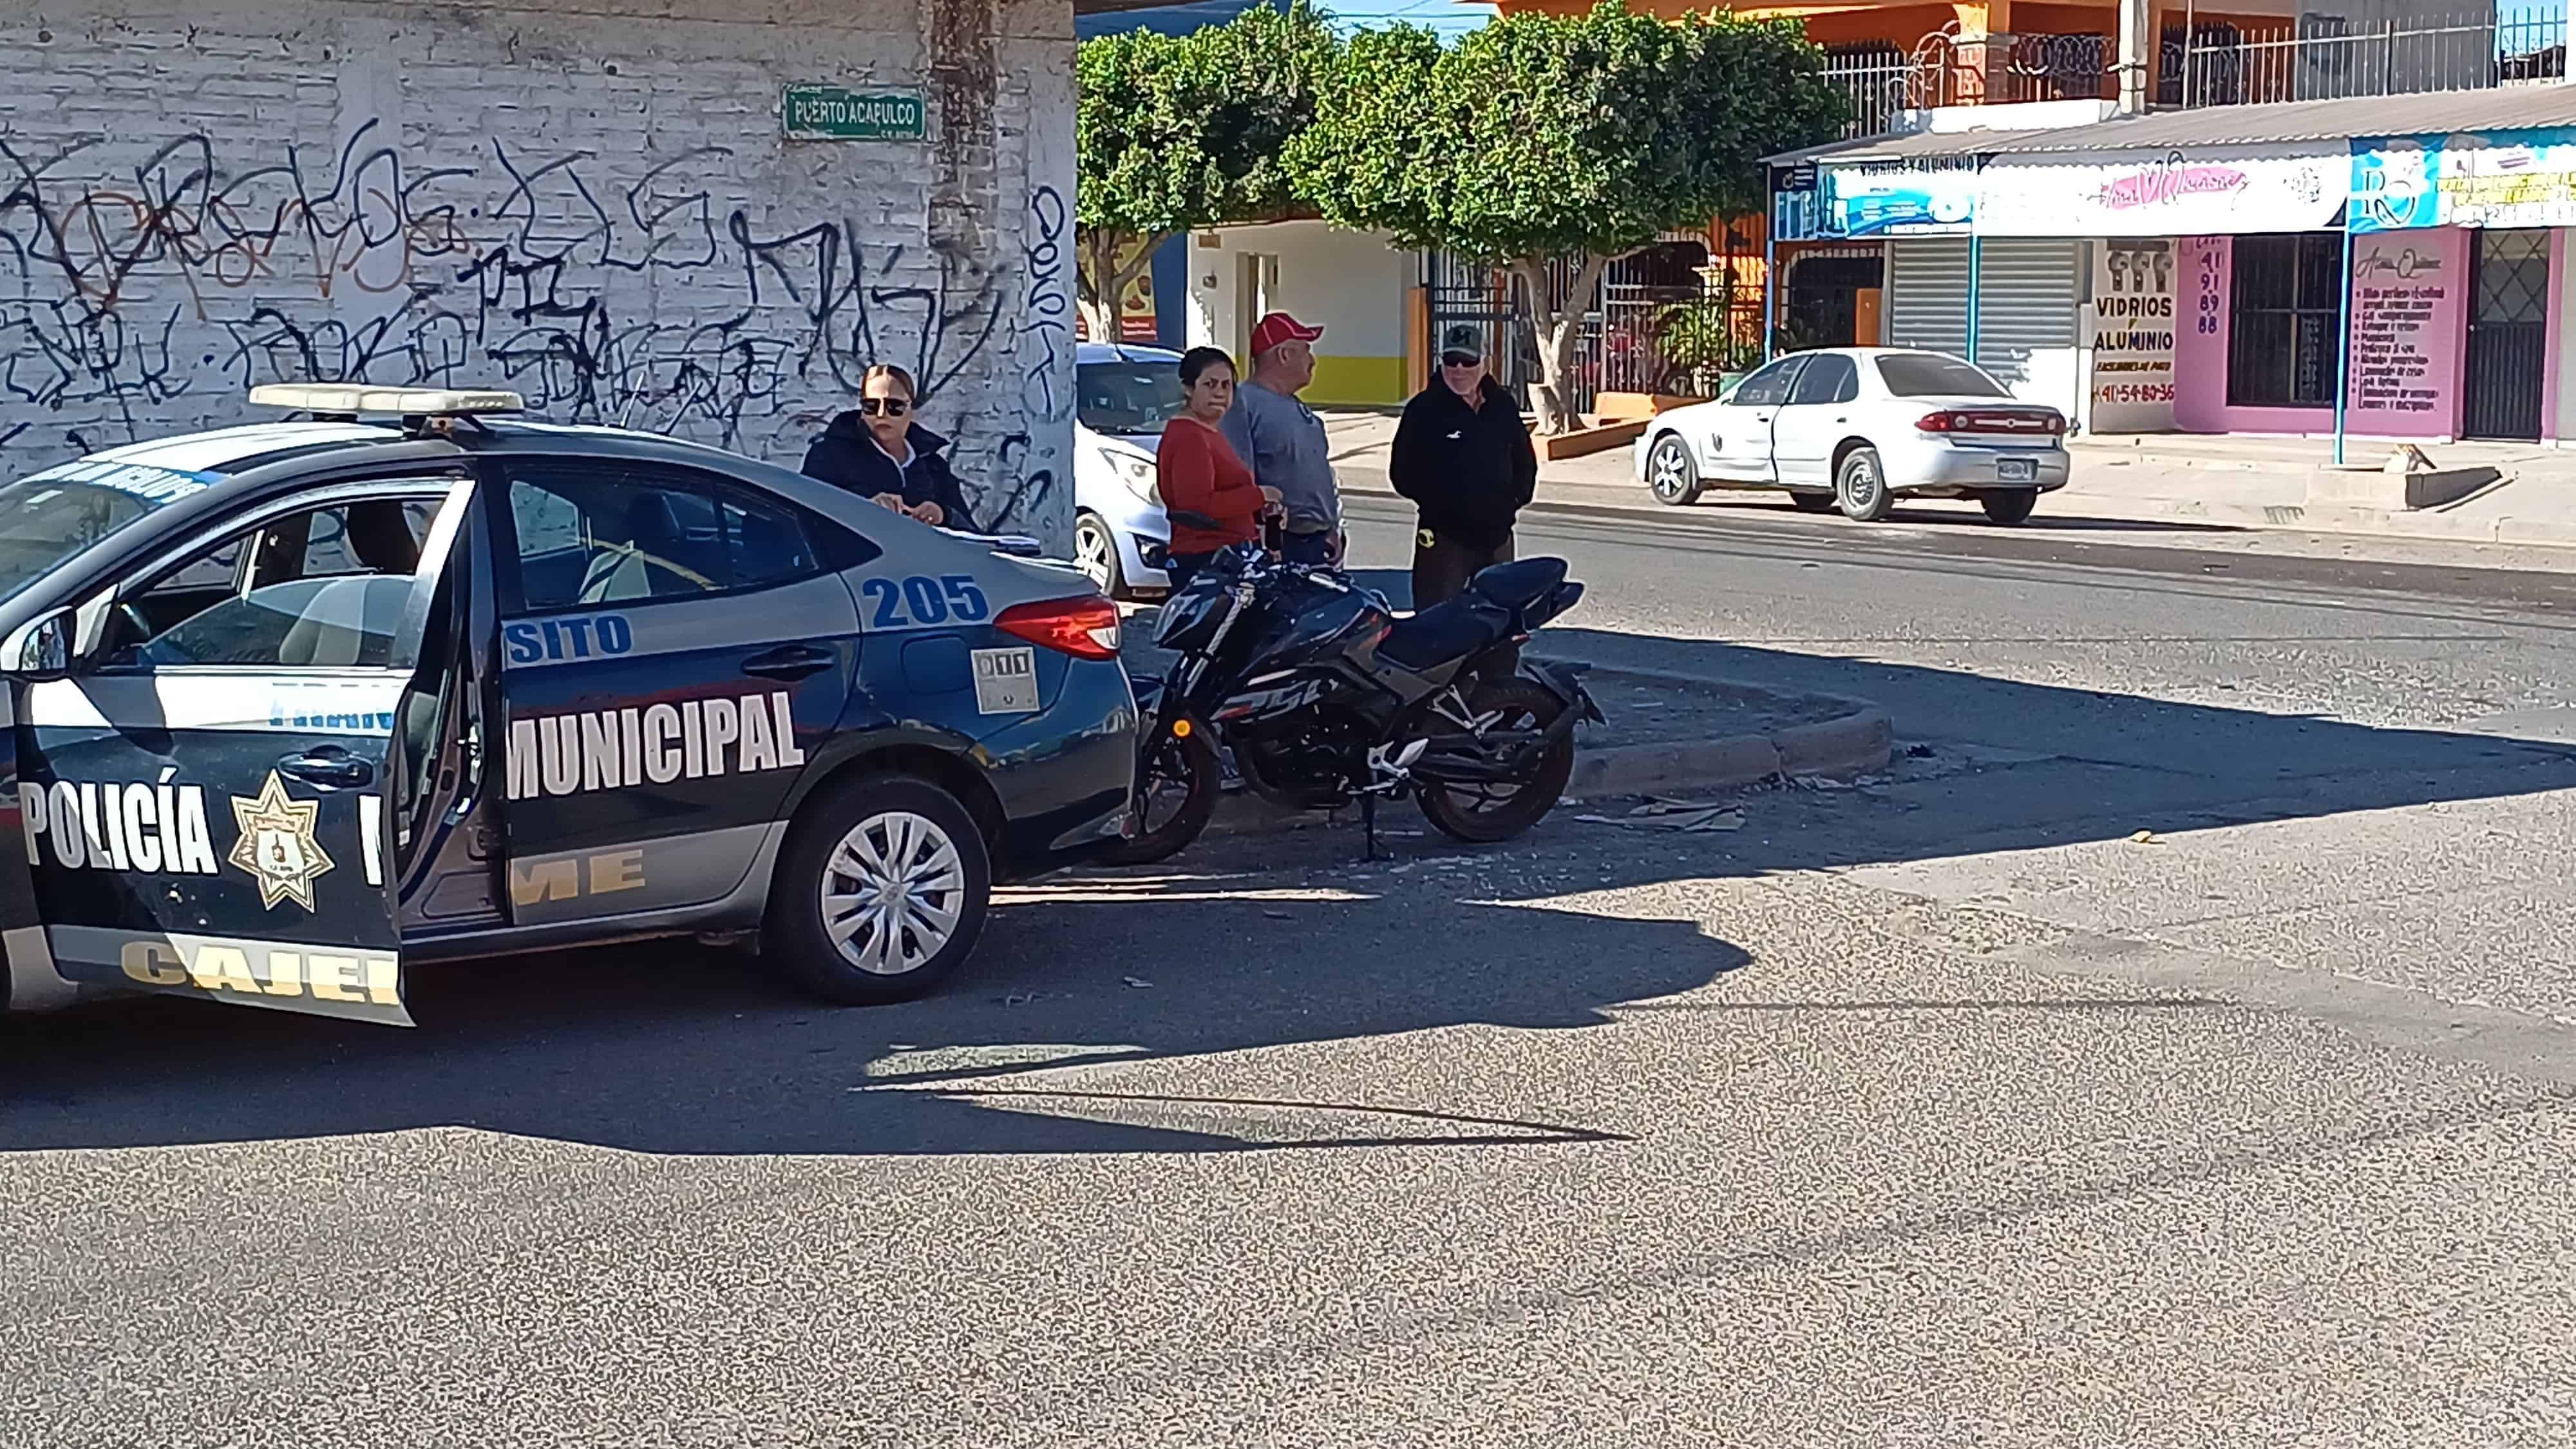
[(2017, 470)]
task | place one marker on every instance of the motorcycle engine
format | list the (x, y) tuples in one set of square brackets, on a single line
[(1304, 760)]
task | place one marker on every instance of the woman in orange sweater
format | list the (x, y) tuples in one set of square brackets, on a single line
[(1207, 491)]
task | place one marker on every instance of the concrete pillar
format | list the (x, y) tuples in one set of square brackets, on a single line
[(2134, 45)]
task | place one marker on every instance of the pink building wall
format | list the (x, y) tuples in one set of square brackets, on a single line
[(2410, 319), (2549, 356)]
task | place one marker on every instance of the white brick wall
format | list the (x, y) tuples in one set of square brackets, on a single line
[(586, 200)]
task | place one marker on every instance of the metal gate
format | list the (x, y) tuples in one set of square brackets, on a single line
[(2026, 290), (2508, 334), (1456, 290), (1927, 293), (1656, 324)]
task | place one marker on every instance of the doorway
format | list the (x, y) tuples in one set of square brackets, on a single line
[(1256, 284), (1832, 300), (2508, 335)]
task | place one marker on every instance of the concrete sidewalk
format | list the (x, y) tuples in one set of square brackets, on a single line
[(2184, 481)]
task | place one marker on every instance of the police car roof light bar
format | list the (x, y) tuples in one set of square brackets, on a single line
[(353, 400)]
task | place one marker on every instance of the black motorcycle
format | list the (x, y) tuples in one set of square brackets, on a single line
[(1324, 697)]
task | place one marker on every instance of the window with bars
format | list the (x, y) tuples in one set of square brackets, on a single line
[(2513, 277), (2286, 302)]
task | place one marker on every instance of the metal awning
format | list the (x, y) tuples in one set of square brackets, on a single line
[(2283, 123)]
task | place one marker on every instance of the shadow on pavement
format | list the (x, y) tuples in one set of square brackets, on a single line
[(2091, 764), (674, 1048)]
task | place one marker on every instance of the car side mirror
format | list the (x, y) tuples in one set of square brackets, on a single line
[(40, 649)]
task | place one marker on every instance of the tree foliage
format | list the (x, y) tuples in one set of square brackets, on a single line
[(1178, 132), (1573, 140)]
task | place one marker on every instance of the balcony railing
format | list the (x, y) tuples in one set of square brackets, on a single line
[(2214, 64), (2325, 57), (1873, 82)]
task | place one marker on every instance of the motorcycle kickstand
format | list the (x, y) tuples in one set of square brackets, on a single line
[(1368, 825)]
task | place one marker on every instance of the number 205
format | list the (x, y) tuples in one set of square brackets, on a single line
[(921, 599)]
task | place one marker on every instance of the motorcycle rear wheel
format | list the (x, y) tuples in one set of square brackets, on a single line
[(1182, 768), (1484, 814)]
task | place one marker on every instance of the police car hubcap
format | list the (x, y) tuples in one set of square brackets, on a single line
[(892, 893)]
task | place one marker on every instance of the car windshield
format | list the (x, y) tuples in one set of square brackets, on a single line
[(1924, 374), (49, 518), (1134, 398)]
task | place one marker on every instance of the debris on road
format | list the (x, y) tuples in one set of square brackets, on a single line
[(1687, 816)]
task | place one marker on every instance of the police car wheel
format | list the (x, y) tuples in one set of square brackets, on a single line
[(881, 890)]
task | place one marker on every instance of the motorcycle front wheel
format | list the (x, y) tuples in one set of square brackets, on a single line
[(1178, 781), (1482, 814)]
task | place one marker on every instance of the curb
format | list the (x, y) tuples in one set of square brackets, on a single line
[(1860, 739), (2431, 525)]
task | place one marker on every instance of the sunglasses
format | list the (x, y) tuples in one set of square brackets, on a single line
[(893, 407), (1460, 359)]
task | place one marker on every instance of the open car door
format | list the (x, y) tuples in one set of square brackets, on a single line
[(208, 785)]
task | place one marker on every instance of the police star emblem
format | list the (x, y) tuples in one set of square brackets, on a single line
[(277, 846)]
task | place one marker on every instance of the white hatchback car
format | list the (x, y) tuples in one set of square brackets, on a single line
[(1859, 428), (1123, 396)]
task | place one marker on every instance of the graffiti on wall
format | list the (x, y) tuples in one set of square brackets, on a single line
[(1043, 345), (136, 293)]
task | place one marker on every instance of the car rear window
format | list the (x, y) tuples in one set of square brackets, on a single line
[(1924, 374)]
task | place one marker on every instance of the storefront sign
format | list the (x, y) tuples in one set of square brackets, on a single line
[(1797, 216), (2406, 323), (829, 113), (2495, 179), (2209, 189), (1900, 200), (2130, 329)]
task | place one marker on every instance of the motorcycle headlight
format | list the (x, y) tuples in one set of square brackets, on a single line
[(1136, 471)]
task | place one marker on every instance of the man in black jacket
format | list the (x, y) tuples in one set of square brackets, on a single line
[(877, 451), (1464, 457)]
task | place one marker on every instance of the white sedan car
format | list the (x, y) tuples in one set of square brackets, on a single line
[(1858, 428)]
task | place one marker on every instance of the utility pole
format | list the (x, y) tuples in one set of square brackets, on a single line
[(2133, 56)]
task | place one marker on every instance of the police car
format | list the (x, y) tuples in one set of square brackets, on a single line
[(291, 708)]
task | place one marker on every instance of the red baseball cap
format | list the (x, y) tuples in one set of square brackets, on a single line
[(1279, 327)]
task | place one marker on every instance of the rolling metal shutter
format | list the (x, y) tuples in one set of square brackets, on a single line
[(1927, 293), (2025, 302)]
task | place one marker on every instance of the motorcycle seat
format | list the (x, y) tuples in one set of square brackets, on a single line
[(1518, 584), (1445, 632)]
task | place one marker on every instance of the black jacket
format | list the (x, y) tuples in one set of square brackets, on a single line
[(846, 457), (1468, 470)]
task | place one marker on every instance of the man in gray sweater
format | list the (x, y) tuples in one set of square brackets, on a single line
[(1283, 442)]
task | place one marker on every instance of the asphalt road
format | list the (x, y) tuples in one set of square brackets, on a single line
[(1938, 1111)]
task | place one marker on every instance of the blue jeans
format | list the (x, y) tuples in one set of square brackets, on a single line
[(1314, 550)]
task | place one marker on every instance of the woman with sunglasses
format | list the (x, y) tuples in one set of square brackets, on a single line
[(877, 451)]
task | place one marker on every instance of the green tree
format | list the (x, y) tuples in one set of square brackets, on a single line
[(1571, 141), (1173, 133)]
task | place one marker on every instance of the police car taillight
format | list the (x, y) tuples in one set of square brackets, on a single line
[(1083, 628)]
